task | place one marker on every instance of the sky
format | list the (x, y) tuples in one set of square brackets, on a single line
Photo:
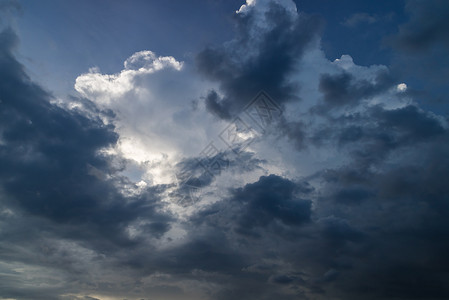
[(217, 150)]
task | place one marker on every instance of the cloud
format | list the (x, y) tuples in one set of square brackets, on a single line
[(271, 198), (370, 143), (270, 36), (263, 5), (387, 200), (213, 105), (48, 153), (49, 194), (153, 116), (427, 26), (348, 89), (343, 197), (338, 89), (103, 88)]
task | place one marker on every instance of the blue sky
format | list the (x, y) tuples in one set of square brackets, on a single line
[(70, 36), (267, 149)]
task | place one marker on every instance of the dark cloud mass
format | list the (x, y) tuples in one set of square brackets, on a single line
[(240, 66), (400, 213), (342, 89), (372, 234), (270, 199), (47, 155), (352, 203)]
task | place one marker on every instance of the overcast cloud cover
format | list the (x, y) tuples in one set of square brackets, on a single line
[(239, 151)]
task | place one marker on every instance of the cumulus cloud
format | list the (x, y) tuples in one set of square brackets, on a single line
[(152, 117), (103, 87)]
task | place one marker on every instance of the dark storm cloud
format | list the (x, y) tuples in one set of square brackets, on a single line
[(249, 64), (336, 229), (242, 227), (214, 106), (379, 129), (353, 194), (401, 126), (398, 229), (409, 121), (58, 192), (383, 213), (296, 132), (374, 227), (371, 136), (270, 204), (193, 174), (344, 89), (51, 167), (210, 252), (270, 199), (377, 224)]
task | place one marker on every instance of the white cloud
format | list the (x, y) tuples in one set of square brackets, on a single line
[(262, 6), (402, 87), (156, 119), (104, 87), (259, 8)]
